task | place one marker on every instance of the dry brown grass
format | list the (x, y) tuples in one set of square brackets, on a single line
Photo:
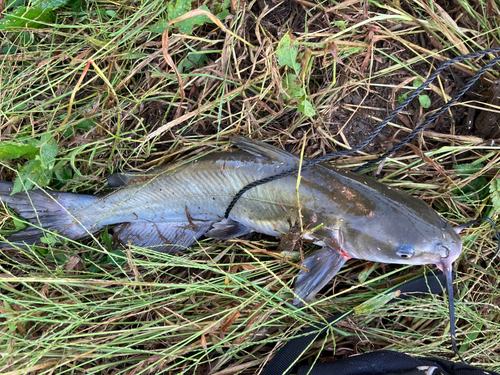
[(223, 308)]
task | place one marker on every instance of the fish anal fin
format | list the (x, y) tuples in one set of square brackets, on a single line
[(227, 229), (164, 237), (323, 265)]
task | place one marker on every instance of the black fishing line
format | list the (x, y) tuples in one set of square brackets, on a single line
[(467, 225), (384, 123), (433, 117), (449, 285)]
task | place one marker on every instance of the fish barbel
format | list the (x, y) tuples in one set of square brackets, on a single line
[(349, 215)]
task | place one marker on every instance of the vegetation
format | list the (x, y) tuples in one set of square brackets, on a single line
[(88, 88)]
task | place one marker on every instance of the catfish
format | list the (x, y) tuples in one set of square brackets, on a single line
[(354, 216)]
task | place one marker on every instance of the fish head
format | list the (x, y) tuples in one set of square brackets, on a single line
[(406, 231), (405, 242), (431, 242)]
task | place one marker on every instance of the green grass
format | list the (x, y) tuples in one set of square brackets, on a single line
[(94, 307)]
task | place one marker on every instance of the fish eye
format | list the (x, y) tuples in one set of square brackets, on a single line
[(405, 251)]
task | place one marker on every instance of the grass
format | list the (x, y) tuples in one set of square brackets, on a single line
[(225, 307)]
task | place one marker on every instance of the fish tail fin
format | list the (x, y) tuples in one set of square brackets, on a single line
[(46, 211)]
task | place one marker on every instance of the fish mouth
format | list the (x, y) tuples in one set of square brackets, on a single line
[(448, 256)]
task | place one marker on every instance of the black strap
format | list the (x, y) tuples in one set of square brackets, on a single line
[(286, 358), (380, 362), (387, 362)]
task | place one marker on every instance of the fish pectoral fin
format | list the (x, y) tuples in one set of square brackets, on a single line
[(266, 151), (227, 229), (164, 237), (323, 265)]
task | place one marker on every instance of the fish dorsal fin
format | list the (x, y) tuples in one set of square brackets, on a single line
[(265, 151)]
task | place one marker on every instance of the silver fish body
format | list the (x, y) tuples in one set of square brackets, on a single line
[(351, 216)]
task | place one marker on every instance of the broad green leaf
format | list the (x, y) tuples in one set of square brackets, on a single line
[(287, 53), (63, 175), (472, 336), (9, 49), (177, 8), (199, 59), (402, 98), (341, 24), (50, 239), (48, 153), (93, 269), (476, 190), (495, 193), (42, 251), (465, 170), (85, 125), (39, 170), (159, 27), (107, 239), (424, 101), (13, 150), (417, 83), (18, 224), (115, 258), (221, 9), (17, 3), (306, 107), (222, 15), (52, 4), (27, 173), (75, 5), (24, 17), (180, 8), (292, 87)]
